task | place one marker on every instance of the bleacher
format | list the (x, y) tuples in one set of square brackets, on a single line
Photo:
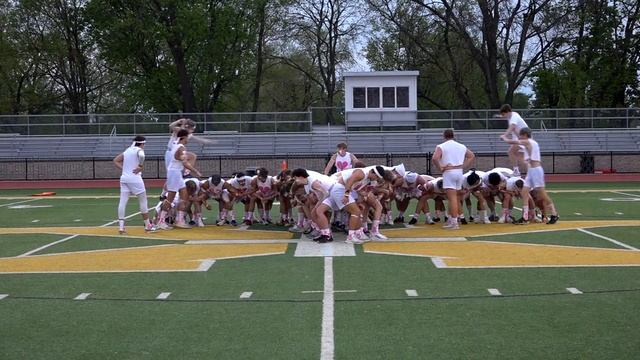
[(14, 146)]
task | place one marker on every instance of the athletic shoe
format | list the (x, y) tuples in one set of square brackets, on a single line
[(502, 220), (295, 229), (192, 222), (182, 225), (389, 221), (493, 218), (352, 239), (234, 223), (413, 220), (122, 232), (429, 221), (247, 222), (486, 220), (451, 226), (435, 219), (199, 223), (478, 221), (325, 239), (378, 236), (363, 236), (221, 222), (267, 222), (150, 228), (399, 220), (471, 218), (463, 221), (553, 219), (164, 226), (521, 221)]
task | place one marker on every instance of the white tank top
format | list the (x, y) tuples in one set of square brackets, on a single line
[(325, 181), (503, 172), (175, 164), (436, 189), (465, 183), (346, 174), (195, 181), (519, 123), (172, 141), (131, 162), (214, 191), (343, 162), (452, 153), (234, 182), (535, 151), (511, 183), (265, 187)]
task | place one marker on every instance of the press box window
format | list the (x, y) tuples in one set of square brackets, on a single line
[(373, 97), (402, 97), (388, 97), (359, 98)]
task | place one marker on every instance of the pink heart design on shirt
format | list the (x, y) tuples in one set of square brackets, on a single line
[(341, 165), (265, 189)]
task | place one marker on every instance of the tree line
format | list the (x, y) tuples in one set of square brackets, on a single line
[(113, 56)]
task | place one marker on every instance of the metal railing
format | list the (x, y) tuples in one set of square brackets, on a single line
[(282, 122)]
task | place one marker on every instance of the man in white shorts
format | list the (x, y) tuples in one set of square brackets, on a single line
[(516, 123), (534, 178), (451, 157), (131, 163)]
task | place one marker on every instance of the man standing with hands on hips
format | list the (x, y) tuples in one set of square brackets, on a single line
[(451, 157)]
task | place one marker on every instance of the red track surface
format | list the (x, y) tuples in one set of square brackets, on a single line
[(68, 184)]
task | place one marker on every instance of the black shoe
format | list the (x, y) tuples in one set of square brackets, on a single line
[(520, 221), (471, 219), (399, 220), (553, 219), (435, 219), (413, 221), (463, 221), (493, 218), (325, 239), (192, 223)]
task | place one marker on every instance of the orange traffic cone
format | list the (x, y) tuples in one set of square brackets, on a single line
[(284, 165)]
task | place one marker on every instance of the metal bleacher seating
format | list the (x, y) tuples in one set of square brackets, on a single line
[(14, 146)]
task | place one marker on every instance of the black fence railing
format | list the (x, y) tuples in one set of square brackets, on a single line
[(103, 168)]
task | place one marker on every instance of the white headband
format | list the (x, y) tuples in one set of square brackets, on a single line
[(138, 142), (375, 171)]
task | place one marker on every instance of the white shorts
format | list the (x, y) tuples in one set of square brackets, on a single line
[(535, 178), (174, 180), (132, 186), (336, 195), (452, 179)]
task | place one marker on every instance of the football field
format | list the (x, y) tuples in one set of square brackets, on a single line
[(72, 288)]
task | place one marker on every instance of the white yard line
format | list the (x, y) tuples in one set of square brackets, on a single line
[(46, 246), (627, 194), (326, 343), (163, 296), (2, 296), (82, 296), (246, 295), (608, 239), (67, 238), (494, 292), (115, 221), (19, 202), (574, 291), (411, 292)]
